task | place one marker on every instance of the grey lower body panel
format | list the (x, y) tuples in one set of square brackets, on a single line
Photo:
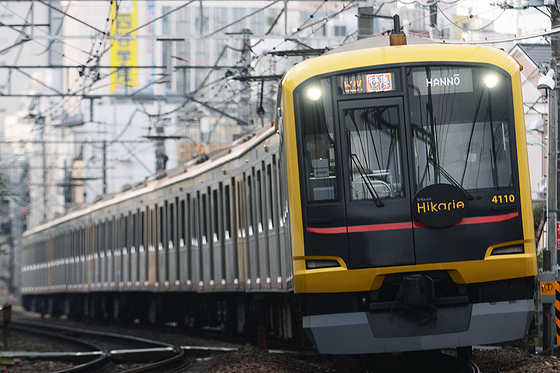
[(364, 333)]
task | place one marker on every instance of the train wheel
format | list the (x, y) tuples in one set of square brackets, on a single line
[(464, 352), (152, 313)]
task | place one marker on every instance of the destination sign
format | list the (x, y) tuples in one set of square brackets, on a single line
[(366, 83), (442, 80)]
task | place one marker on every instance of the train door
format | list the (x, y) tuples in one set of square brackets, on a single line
[(378, 215)]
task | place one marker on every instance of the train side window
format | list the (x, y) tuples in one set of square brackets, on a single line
[(149, 229), (103, 237), (240, 207), (250, 196), (227, 213), (182, 236), (142, 229), (215, 216), (270, 196), (177, 219), (112, 236), (162, 226), (135, 230), (116, 241), (171, 214), (318, 141), (126, 232), (259, 196), (196, 219), (204, 217)]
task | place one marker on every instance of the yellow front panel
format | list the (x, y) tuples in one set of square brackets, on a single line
[(492, 268)]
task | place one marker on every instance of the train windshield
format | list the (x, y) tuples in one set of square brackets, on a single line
[(375, 152), (319, 141), (460, 127)]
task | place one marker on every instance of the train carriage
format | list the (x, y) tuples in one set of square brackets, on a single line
[(213, 227), (411, 213)]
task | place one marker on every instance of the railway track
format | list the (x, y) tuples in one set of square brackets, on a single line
[(102, 352), (109, 352)]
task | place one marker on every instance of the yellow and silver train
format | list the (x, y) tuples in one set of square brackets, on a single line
[(388, 210)]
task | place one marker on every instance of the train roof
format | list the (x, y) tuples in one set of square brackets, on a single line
[(377, 51), (191, 169)]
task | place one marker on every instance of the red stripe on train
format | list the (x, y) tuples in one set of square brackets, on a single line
[(408, 225)]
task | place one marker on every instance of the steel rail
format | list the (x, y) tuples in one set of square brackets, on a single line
[(164, 356), (93, 365)]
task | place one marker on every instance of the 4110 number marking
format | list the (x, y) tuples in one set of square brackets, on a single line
[(506, 198)]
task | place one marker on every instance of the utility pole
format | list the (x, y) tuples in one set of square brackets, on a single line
[(550, 256), (434, 33), (245, 62), (549, 275), (104, 167), (159, 121), (161, 156), (41, 123), (553, 121)]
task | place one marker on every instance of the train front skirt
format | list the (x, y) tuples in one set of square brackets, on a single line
[(392, 331)]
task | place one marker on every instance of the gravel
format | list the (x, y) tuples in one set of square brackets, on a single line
[(249, 359), (253, 360), (18, 342), (514, 360)]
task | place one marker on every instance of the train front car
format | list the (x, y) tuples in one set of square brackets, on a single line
[(410, 207)]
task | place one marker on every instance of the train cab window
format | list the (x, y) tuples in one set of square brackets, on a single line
[(318, 145), (374, 152), (460, 121)]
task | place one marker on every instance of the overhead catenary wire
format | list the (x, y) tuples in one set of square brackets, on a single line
[(70, 16), (456, 24), (57, 32), (305, 25), (27, 23), (326, 18), (55, 38), (241, 19), (93, 55)]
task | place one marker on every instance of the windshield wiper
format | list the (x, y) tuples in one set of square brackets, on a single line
[(449, 178), (367, 181)]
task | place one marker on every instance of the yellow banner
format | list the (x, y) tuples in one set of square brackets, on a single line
[(124, 52)]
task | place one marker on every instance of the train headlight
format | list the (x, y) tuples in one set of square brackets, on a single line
[(322, 263), (491, 81), (517, 249), (314, 93)]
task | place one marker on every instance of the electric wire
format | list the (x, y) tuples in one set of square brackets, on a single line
[(44, 32), (93, 55), (241, 19), (469, 29)]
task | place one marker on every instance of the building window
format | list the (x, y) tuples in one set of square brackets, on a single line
[(339, 30)]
